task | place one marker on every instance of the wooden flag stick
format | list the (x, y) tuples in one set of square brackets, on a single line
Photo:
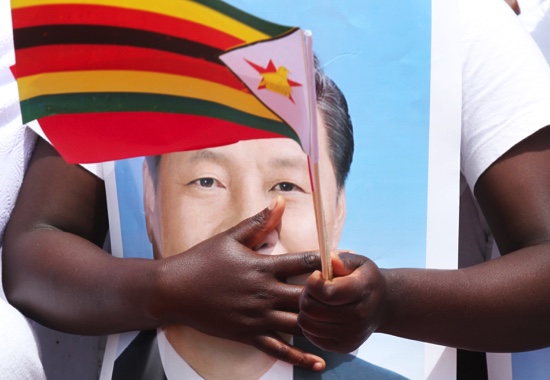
[(324, 243), (313, 160)]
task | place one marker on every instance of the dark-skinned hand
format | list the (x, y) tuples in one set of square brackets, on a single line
[(223, 288), (339, 315)]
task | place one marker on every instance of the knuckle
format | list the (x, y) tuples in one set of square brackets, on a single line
[(305, 304), (301, 361), (263, 296), (258, 220), (311, 261), (264, 266), (281, 351), (302, 320), (330, 293)]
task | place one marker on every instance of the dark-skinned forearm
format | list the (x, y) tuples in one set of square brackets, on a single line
[(69, 284), (53, 267), (498, 306), (501, 305)]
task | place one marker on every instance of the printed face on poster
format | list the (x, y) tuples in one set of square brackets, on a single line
[(164, 205)]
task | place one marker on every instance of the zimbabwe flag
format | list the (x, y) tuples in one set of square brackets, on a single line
[(111, 79)]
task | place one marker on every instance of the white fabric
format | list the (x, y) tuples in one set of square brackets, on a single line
[(19, 355), (506, 85), (177, 368), (535, 16), (16, 144)]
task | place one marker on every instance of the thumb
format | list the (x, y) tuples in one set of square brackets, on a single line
[(253, 230), (345, 262)]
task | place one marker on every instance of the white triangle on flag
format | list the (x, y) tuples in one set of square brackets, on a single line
[(280, 74)]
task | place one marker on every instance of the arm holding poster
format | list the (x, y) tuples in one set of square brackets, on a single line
[(180, 217), (123, 92), (49, 283), (468, 308), (497, 306)]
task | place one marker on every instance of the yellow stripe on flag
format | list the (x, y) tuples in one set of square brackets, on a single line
[(153, 83), (186, 10)]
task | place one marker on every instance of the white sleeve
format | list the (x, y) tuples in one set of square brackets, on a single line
[(506, 85), (535, 17)]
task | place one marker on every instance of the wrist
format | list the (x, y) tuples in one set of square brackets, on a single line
[(157, 297), (389, 301)]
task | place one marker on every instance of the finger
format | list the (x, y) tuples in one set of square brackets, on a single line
[(340, 290), (320, 328), (287, 296), (338, 329), (345, 262), (328, 344), (253, 230), (284, 322), (274, 346), (294, 264), (318, 311)]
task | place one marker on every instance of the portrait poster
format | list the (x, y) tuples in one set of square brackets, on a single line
[(398, 66)]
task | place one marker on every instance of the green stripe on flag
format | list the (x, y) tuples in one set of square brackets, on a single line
[(259, 24), (47, 105)]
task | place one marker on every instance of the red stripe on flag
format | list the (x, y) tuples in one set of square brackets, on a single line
[(80, 14), (96, 137), (59, 58)]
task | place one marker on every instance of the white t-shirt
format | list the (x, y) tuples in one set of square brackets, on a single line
[(19, 354), (506, 95), (522, 79), (506, 85), (535, 17)]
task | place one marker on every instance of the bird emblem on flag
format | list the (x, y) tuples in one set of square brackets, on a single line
[(275, 79)]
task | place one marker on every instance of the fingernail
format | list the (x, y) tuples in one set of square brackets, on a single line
[(273, 203), (318, 366)]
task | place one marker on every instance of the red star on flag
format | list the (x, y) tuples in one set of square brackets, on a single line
[(275, 79)]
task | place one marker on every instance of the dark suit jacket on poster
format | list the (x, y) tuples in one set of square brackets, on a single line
[(141, 361)]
